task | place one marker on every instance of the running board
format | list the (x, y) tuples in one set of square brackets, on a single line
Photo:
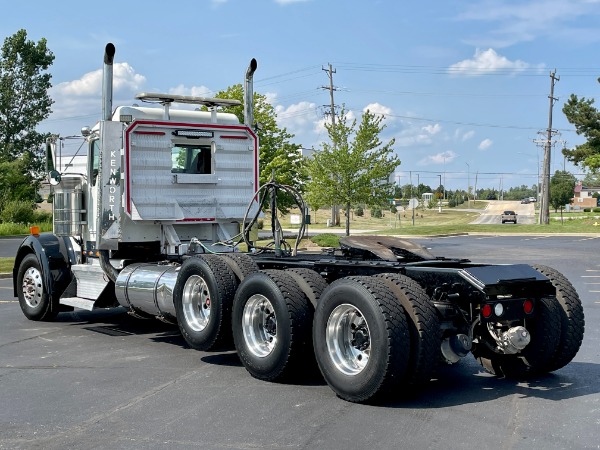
[(78, 302)]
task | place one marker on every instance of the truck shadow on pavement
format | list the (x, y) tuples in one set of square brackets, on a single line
[(462, 383), (466, 382)]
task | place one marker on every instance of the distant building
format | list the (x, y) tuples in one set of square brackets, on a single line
[(584, 196)]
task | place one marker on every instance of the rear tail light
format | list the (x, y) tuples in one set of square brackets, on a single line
[(528, 306), (486, 311)]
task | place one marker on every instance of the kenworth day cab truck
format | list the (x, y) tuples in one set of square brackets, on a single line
[(151, 227)]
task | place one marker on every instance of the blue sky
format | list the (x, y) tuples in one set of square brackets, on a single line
[(463, 84)]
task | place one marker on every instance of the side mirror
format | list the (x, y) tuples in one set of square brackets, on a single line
[(54, 177)]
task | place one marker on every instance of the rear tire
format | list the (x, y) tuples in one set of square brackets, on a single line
[(423, 325), (571, 314), (36, 303), (361, 339), (272, 322), (203, 295), (311, 283), (241, 264)]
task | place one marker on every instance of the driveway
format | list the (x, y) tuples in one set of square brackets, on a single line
[(491, 214)]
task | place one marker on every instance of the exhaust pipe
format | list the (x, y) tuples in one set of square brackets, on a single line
[(249, 94), (107, 82), (107, 98)]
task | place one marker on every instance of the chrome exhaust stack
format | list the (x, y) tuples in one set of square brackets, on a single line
[(107, 98), (249, 94), (107, 82)]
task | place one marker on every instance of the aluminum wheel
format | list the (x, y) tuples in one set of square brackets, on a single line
[(196, 303), (348, 339), (32, 286), (259, 325)]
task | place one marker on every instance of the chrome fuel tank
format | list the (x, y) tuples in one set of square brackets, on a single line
[(148, 288)]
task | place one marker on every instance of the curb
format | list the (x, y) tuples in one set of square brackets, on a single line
[(5, 275)]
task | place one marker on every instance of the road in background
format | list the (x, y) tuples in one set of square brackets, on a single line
[(9, 246), (104, 379), (491, 214)]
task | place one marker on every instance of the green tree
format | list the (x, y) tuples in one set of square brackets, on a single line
[(24, 103), (279, 157), (591, 180), (586, 118), (355, 166), (562, 185)]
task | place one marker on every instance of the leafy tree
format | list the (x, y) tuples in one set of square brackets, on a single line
[(586, 118), (562, 185), (24, 103), (16, 181), (591, 180), (280, 159), (355, 166)]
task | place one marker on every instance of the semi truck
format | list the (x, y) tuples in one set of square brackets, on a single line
[(170, 195)]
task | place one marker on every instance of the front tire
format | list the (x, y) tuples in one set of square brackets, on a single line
[(36, 303), (361, 339), (203, 295)]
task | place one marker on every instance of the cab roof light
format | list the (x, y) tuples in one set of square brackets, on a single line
[(193, 134)]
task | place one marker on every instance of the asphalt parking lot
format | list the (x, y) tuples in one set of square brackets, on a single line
[(102, 379)]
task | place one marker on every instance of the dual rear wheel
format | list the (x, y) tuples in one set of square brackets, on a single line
[(364, 341)]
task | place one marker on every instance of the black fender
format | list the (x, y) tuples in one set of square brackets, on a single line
[(55, 255)]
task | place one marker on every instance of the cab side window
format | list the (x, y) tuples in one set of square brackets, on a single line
[(95, 160)]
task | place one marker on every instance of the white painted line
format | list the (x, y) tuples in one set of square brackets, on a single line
[(592, 270), (590, 276)]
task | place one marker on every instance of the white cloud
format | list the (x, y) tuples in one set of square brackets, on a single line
[(468, 135), (432, 129), (124, 78), (194, 91), (413, 135), (439, 158), (485, 144), (509, 23), (487, 61), (378, 109), (82, 97)]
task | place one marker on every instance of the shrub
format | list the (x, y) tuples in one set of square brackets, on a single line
[(42, 217), (451, 203), (596, 210), (393, 209), (587, 209), (359, 212), (17, 211), (376, 213)]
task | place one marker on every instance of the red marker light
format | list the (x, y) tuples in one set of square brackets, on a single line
[(528, 306), (486, 311)]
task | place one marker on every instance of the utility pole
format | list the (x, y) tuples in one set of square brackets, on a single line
[(545, 198), (468, 185), (330, 71)]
